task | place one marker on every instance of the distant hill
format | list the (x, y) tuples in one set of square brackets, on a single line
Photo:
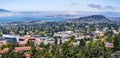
[(89, 19), (3, 10)]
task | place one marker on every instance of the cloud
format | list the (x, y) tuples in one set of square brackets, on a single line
[(101, 7), (74, 3), (95, 6), (110, 7), (8, 14)]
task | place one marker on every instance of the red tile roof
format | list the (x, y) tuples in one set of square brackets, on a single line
[(30, 38), (5, 50), (23, 42), (22, 48), (27, 55), (109, 45), (37, 40)]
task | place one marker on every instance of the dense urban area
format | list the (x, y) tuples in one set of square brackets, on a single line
[(92, 36)]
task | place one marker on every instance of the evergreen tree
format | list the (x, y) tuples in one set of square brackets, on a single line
[(56, 40), (82, 43), (117, 43), (72, 39)]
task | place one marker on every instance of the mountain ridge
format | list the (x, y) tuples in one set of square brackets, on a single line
[(89, 19), (3, 10)]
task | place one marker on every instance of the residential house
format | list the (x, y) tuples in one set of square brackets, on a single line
[(22, 49), (5, 50), (26, 55), (2, 42), (11, 38), (109, 45)]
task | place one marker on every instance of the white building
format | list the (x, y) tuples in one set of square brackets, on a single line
[(11, 38), (64, 34)]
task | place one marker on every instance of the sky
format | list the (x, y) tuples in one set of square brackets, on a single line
[(61, 5)]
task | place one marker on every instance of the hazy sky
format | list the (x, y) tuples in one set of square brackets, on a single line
[(61, 5)]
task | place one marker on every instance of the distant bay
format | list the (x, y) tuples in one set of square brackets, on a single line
[(14, 19)]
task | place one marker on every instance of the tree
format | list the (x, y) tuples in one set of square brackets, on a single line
[(49, 55), (15, 55), (107, 53), (42, 34), (82, 43), (117, 42), (72, 39), (80, 54), (1, 33), (60, 41), (3, 46), (56, 40), (95, 49), (42, 45), (33, 48), (57, 52)]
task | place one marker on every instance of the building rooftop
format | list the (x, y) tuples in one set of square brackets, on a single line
[(26, 55), (22, 48), (5, 50), (11, 36), (109, 45)]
